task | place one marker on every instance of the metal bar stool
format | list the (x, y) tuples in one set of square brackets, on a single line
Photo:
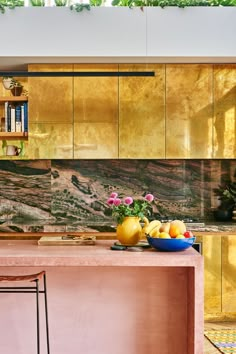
[(30, 289)]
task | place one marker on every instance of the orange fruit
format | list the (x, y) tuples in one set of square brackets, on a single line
[(174, 230), (180, 224)]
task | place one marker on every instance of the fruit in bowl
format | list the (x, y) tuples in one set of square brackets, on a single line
[(170, 244), (171, 236)]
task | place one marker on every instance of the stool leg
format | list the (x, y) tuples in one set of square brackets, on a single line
[(46, 312), (37, 309)]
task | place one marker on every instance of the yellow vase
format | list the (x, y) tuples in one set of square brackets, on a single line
[(130, 231)]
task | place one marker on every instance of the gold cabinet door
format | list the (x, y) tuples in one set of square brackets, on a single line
[(228, 274), (211, 248), (224, 133), (142, 113), (50, 114), (96, 113), (189, 111)]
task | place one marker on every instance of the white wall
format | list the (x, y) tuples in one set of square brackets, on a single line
[(54, 34), (191, 32)]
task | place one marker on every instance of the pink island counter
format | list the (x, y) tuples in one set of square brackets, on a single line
[(103, 301)]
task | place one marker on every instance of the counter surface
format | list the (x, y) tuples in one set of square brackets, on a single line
[(29, 253), (43, 226)]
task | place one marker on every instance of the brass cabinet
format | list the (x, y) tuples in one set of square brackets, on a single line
[(224, 132), (95, 113), (142, 113), (184, 111), (50, 114), (229, 274), (219, 253), (189, 111), (211, 249)]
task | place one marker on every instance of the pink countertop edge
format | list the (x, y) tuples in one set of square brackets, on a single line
[(29, 253)]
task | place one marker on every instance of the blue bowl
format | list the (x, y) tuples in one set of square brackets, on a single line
[(170, 244)]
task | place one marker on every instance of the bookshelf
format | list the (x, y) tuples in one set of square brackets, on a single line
[(13, 136), (13, 101)]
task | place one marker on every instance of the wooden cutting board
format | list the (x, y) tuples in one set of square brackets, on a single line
[(66, 240)]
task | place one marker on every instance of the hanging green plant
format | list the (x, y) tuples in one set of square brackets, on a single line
[(80, 7), (37, 2), (10, 4), (96, 2), (60, 2)]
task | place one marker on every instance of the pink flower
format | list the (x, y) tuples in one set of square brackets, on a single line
[(110, 201), (117, 201), (149, 197), (114, 195), (128, 200)]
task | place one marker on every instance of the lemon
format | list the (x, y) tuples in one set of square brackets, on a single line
[(180, 236), (164, 235)]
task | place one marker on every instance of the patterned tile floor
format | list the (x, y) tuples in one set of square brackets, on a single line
[(208, 347)]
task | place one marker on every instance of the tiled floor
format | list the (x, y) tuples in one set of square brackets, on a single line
[(208, 347)]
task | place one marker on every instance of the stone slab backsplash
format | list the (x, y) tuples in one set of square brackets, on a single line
[(71, 195)]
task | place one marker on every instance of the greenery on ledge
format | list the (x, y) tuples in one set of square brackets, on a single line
[(11, 4), (178, 3)]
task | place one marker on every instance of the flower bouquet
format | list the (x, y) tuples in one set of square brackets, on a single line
[(128, 213)]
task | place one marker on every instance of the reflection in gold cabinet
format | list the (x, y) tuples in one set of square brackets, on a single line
[(51, 141), (224, 111), (50, 113), (229, 274), (96, 113), (142, 113), (50, 98), (211, 246), (188, 111)]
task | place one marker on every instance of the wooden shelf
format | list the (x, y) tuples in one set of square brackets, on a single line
[(13, 98), (8, 135)]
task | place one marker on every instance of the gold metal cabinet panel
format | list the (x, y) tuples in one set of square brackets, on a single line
[(96, 98), (229, 273), (96, 113), (224, 132), (211, 247), (50, 98), (142, 113), (95, 140), (189, 112), (50, 141)]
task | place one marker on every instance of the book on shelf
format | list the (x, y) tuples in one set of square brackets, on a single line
[(16, 117), (9, 118), (13, 120), (25, 104), (5, 115)]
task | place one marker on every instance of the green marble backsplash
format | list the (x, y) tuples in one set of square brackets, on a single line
[(54, 195)]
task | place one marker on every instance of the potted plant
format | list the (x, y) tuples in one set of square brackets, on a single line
[(16, 87), (6, 81), (227, 196)]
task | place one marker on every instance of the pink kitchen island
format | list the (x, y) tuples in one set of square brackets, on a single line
[(105, 302)]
